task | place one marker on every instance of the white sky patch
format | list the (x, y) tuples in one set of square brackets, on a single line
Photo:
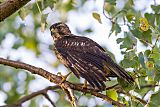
[(2, 98)]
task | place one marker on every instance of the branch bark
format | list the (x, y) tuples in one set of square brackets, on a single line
[(9, 7), (57, 79)]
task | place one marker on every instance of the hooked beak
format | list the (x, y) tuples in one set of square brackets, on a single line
[(53, 31)]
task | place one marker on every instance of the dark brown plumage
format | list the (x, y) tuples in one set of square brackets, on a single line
[(85, 58)]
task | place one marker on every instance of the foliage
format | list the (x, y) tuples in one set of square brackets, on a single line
[(139, 44)]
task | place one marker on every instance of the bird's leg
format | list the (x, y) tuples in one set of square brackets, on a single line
[(85, 84), (63, 77)]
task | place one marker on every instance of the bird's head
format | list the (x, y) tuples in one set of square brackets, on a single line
[(59, 30)]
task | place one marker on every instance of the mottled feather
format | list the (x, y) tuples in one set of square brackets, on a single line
[(85, 58)]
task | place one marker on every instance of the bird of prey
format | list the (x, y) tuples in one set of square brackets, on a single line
[(85, 58)]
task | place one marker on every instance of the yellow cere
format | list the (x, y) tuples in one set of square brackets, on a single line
[(52, 30)]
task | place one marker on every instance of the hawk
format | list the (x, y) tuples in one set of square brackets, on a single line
[(85, 58)]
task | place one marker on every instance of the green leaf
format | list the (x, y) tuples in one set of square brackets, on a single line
[(146, 36), (129, 63), (151, 18), (156, 49), (43, 22), (97, 17), (155, 8), (130, 54), (130, 17), (119, 40), (73, 78), (22, 13), (89, 30), (109, 8), (147, 53), (128, 42), (116, 28), (137, 33), (156, 55), (158, 19), (112, 94), (125, 85), (131, 2), (49, 3), (153, 100), (141, 59), (157, 73), (112, 2), (150, 75), (142, 72), (125, 102)]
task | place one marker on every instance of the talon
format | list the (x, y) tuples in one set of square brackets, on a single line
[(59, 74), (63, 77), (84, 85)]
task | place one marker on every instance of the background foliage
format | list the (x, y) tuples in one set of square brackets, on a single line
[(136, 31)]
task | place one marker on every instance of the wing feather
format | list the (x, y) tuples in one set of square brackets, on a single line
[(90, 72), (87, 59), (87, 71)]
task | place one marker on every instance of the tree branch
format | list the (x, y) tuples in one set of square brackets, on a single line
[(9, 7), (47, 97), (106, 15), (143, 102), (150, 86), (57, 79), (69, 92), (34, 94)]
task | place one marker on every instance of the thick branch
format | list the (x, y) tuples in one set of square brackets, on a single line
[(56, 79), (9, 7)]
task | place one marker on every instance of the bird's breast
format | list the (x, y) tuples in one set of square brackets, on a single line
[(60, 57)]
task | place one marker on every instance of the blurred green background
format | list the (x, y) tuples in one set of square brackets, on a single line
[(128, 30)]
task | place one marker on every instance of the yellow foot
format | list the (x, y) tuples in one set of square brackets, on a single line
[(63, 77), (84, 85)]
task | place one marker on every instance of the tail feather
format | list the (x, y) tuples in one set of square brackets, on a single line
[(121, 73)]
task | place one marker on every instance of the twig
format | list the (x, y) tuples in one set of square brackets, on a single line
[(108, 88), (149, 44), (48, 98), (105, 13), (143, 102), (95, 93), (56, 79), (156, 41), (32, 95), (149, 86)]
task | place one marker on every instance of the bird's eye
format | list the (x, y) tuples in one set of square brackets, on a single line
[(60, 28)]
